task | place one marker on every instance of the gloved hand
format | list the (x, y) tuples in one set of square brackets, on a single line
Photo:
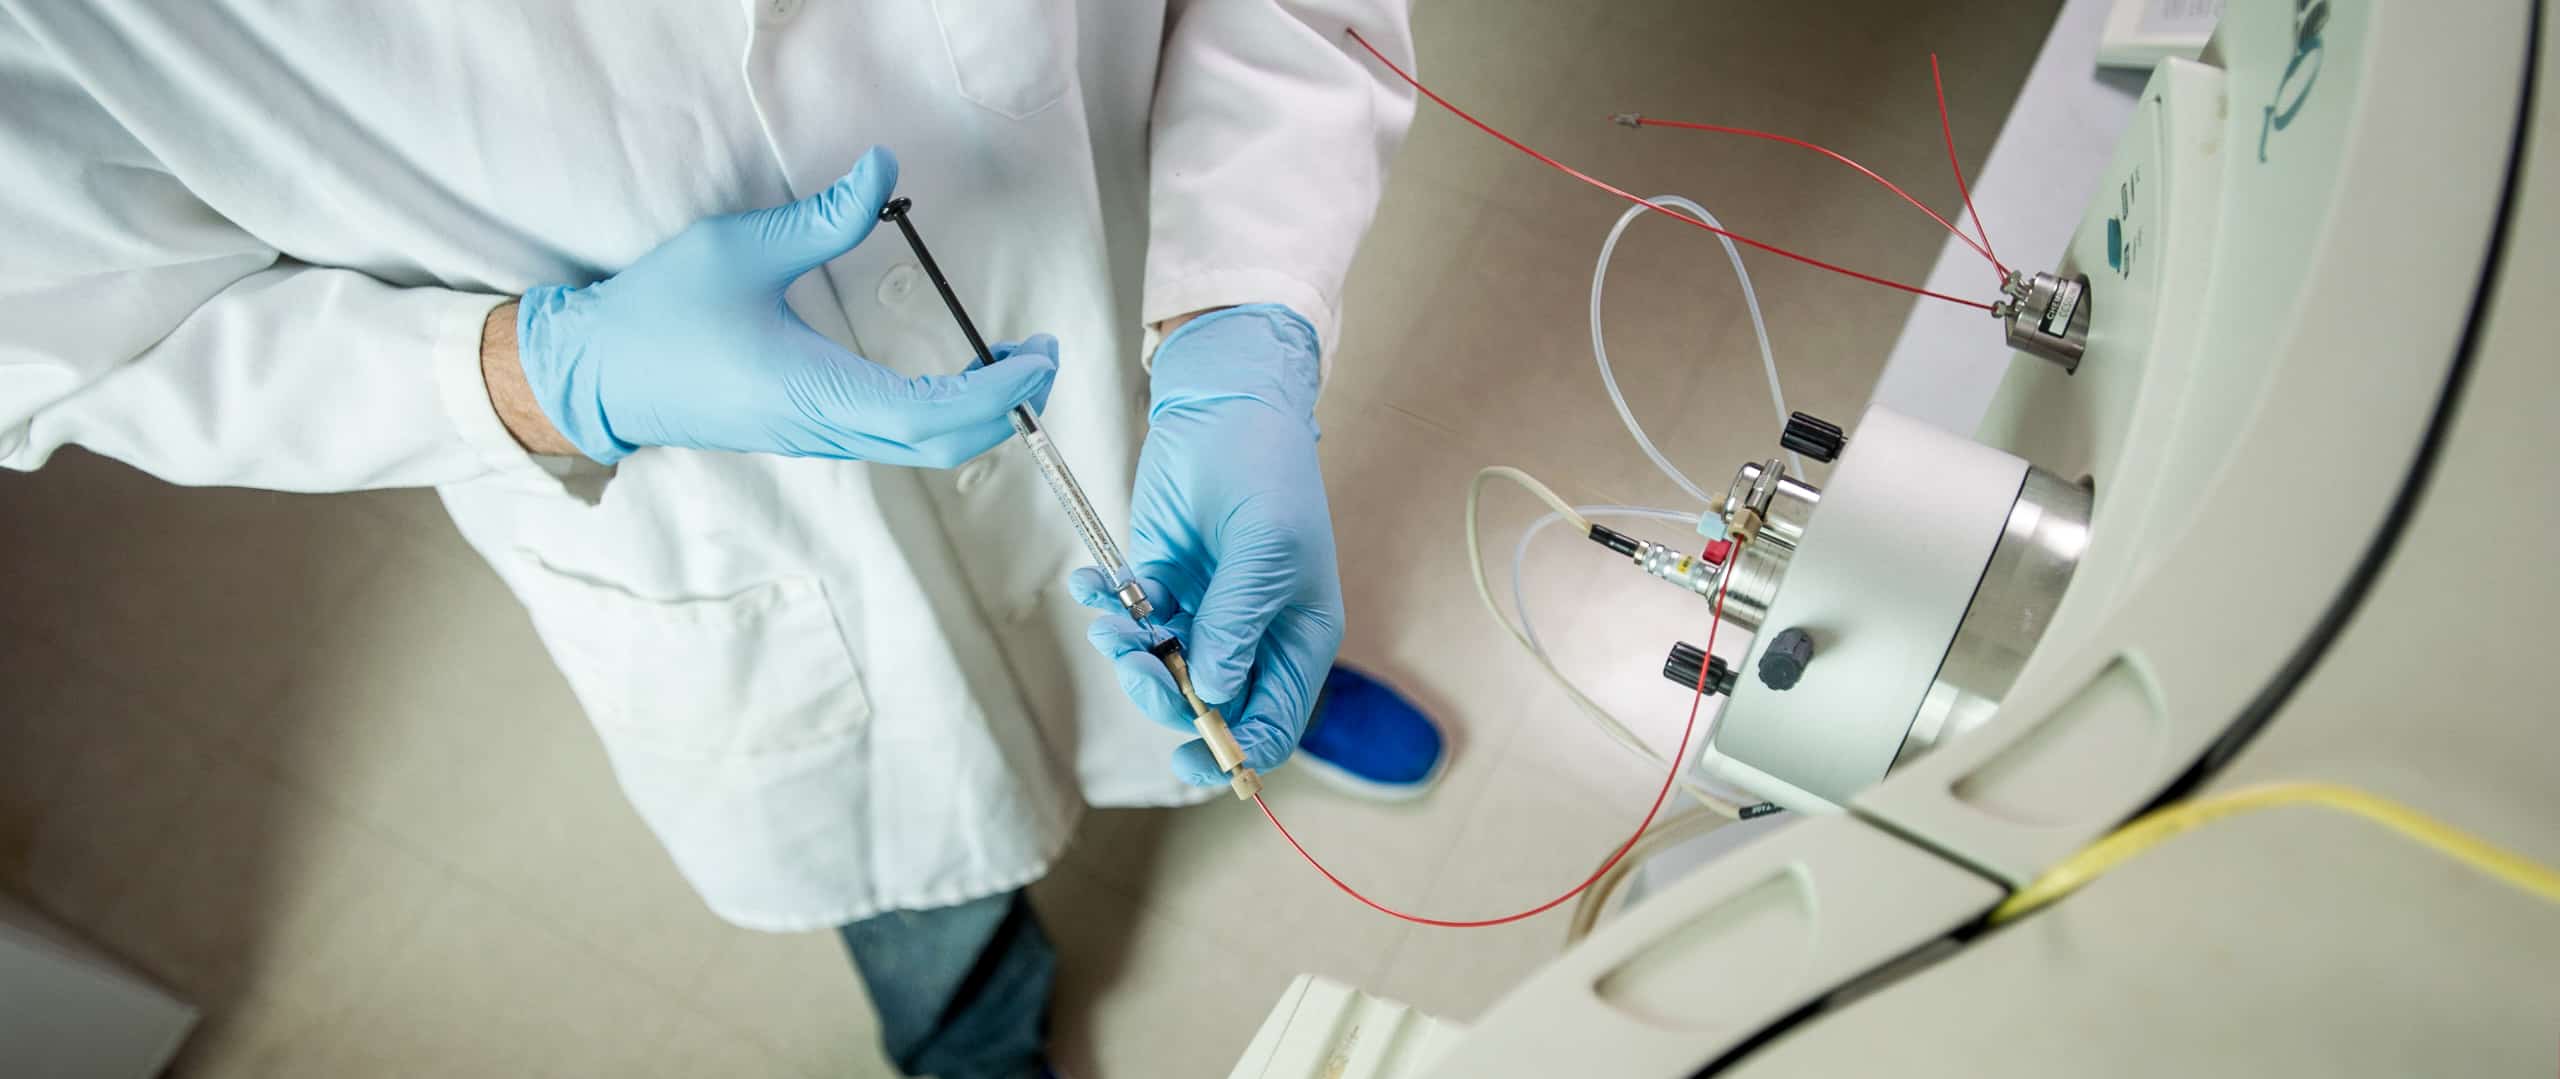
[(1231, 537), (693, 346)]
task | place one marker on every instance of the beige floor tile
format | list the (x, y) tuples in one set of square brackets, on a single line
[(103, 789), (1145, 997), (697, 1047), (797, 995), (432, 713), (1220, 870), (1560, 822), (32, 667), (219, 588), (37, 742), (59, 521), (1501, 60), (250, 876), (1415, 239), (1723, 49), (294, 929), (416, 515), (1508, 368), (483, 989)]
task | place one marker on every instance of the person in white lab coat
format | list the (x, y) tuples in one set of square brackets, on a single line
[(596, 273)]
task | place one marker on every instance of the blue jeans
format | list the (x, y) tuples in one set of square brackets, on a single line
[(963, 992)]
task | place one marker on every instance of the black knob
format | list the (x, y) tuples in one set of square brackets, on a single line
[(1681, 667), (1785, 659), (1814, 437)]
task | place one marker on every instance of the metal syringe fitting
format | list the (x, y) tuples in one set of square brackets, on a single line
[(1205, 720), (1692, 572), (1676, 566), (1134, 600)]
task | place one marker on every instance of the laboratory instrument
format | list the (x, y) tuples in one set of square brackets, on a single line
[(1211, 726), (2255, 511)]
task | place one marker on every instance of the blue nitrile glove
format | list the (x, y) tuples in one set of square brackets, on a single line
[(693, 346), (1231, 537)]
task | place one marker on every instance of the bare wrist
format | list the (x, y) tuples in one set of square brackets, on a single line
[(502, 371), (1167, 326)]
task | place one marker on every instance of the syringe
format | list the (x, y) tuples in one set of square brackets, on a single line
[(1098, 543)]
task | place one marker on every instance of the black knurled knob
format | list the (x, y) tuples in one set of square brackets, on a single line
[(1814, 437), (1784, 661), (1681, 667)]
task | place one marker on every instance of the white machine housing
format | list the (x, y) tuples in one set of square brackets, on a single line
[(1885, 573), (2318, 409)]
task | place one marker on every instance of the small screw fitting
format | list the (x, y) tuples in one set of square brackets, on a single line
[(1134, 600), (896, 208), (1744, 524)]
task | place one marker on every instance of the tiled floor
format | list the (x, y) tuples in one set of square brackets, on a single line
[(302, 759)]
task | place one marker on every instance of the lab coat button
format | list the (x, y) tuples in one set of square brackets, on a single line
[(975, 473), (900, 283), (774, 13)]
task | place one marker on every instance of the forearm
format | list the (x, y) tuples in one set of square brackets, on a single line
[(503, 372), (137, 322), (246, 383), (1175, 323)]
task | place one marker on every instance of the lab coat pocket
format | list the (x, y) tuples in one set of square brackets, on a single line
[(1010, 56), (760, 670)]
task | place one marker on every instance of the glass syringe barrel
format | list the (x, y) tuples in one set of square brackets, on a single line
[(1205, 719), (1088, 525), (1053, 468)]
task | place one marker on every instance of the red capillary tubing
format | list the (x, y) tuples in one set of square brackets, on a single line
[(1645, 202), (1949, 129), (1983, 249), (1698, 698)]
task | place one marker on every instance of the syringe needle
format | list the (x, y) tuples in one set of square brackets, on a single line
[(1211, 726), (1053, 468)]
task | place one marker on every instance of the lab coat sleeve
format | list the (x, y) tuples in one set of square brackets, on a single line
[(1269, 146), (138, 322)]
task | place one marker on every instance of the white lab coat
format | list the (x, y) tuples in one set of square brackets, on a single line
[(242, 244)]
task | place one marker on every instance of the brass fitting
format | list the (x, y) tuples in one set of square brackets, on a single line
[(1212, 726)]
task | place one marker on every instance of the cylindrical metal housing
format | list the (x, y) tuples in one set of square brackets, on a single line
[(1878, 586), (1784, 506), (2048, 316), (2039, 548), (1754, 571)]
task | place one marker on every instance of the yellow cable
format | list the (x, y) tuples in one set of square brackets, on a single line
[(2159, 825)]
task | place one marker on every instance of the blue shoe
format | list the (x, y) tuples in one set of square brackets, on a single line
[(1368, 740)]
